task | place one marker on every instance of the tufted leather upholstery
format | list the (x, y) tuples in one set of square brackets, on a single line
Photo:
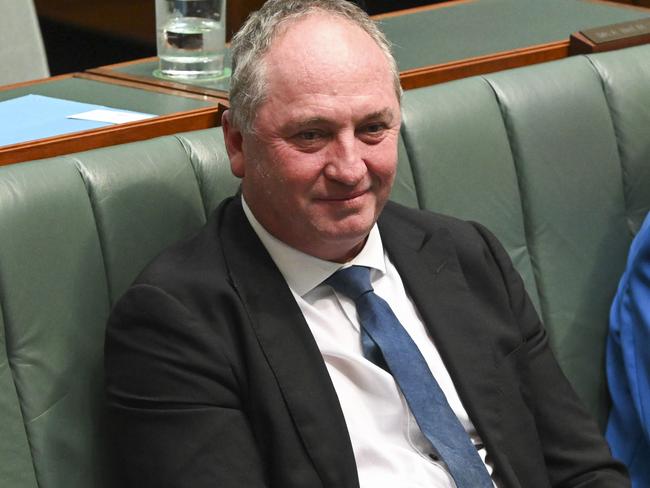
[(554, 158)]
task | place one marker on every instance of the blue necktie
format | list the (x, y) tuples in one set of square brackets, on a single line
[(405, 362)]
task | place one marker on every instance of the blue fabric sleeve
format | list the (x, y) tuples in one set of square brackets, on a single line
[(628, 362)]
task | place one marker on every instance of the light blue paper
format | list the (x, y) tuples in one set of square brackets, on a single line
[(35, 117)]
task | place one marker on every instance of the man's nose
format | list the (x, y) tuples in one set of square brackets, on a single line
[(346, 164)]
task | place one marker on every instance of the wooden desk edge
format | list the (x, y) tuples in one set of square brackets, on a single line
[(111, 72), (142, 83), (621, 5), (431, 75), (73, 142), (22, 84)]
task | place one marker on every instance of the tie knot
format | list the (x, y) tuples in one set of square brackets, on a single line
[(351, 282)]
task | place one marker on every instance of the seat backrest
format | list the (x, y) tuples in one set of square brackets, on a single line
[(553, 158), (76, 230), (22, 54)]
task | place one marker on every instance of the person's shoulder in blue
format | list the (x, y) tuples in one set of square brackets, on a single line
[(628, 363)]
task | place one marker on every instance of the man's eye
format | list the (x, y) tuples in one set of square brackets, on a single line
[(372, 133), (375, 128), (310, 140), (309, 135)]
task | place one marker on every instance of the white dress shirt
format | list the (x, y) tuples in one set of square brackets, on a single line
[(390, 450)]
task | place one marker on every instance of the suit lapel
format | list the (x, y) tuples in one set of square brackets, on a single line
[(432, 275), (290, 350)]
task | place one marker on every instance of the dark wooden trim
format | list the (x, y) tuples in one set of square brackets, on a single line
[(430, 75), (610, 37), (22, 84), (580, 44), (613, 3)]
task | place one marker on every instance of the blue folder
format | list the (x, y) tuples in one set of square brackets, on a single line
[(35, 116)]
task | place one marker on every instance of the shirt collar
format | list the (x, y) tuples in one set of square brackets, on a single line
[(303, 272)]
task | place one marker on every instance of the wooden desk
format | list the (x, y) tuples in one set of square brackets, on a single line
[(464, 38), (176, 112), (140, 71), (452, 40)]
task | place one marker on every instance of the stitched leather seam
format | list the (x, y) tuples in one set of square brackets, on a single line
[(100, 236), (7, 339), (617, 134), (522, 198)]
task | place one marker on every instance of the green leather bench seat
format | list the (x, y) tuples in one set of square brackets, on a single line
[(554, 158)]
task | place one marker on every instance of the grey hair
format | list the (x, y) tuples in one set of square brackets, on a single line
[(253, 40)]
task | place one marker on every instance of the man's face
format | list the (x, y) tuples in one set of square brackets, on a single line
[(320, 163)]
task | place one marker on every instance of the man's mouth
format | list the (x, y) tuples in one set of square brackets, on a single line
[(344, 197)]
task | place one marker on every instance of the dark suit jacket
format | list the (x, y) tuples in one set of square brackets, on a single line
[(214, 379)]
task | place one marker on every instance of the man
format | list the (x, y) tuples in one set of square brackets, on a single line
[(238, 359)]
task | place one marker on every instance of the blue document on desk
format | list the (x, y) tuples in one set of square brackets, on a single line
[(35, 117)]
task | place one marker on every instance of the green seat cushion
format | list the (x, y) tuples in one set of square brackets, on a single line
[(625, 76), (569, 172), (144, 196), (460, 155), (54, 306)]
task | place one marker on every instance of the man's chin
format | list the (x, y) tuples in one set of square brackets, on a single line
[(352, 226), (345, 240)]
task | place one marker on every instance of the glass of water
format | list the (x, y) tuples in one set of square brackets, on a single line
[(191, 37)]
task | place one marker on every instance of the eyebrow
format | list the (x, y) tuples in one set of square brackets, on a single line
[(380, 114), (312, 121)]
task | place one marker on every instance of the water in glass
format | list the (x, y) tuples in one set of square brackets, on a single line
[(191, 37)]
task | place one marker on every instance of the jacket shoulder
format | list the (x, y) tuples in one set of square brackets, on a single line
[(191, 263), (461, 231)]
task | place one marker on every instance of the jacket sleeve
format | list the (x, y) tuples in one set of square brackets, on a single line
[(174, 412), (574, 450), (628, 360)]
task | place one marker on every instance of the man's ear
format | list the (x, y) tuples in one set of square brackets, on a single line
[(234, 142)]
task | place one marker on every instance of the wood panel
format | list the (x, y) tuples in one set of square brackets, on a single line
[(638, 3), (129, 19), (238, 11)]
